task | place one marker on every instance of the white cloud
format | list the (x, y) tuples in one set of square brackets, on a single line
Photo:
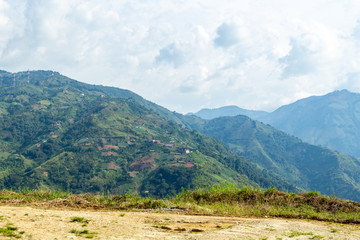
[(190, 54)]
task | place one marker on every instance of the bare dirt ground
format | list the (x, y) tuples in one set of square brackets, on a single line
[(43, 224)]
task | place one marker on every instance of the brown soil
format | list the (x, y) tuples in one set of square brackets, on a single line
[(111, 165), (53, 224), (145, 163), (110, 153)]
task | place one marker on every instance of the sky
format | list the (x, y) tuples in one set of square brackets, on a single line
[(190, 54)]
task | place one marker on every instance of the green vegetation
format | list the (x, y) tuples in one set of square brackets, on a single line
[(296, 234), (57, 133), (79, 219), (10, 231), (222, 200), (85, 232), (307, 166)]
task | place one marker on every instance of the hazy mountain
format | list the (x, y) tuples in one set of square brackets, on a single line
[(307, 166), (332, 120), (207, 113), (59, 133)]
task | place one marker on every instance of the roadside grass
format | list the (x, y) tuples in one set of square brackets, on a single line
[(220, 200)]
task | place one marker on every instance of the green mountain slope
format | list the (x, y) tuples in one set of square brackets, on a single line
[(308, 166), (59, 133)]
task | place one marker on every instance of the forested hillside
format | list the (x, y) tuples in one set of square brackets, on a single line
[(62, 134), (307, 166)]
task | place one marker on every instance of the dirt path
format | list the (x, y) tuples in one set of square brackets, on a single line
[(43, 224)]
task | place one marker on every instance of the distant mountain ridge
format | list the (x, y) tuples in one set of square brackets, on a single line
[(331, 120), (207, 113)]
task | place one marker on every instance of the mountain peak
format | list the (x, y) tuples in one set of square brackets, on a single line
[(230, 110), (343, 92)]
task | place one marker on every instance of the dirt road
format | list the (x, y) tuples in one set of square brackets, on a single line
[(43, 224)]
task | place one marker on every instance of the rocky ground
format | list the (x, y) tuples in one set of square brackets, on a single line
[(43, 224)]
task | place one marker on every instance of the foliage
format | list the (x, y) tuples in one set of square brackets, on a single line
[(306, 166), (57, 133)]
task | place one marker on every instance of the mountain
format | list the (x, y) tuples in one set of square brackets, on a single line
[(332, 120), (307, 166), (228, 111), (58, 133)]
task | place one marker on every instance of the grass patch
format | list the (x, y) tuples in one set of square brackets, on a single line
[(10, 231), (230, 200), (221, 200), (317, 237), (297, 234), (85, 232), (79, 219)]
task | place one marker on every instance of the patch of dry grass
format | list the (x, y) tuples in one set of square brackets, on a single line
[(225, 200)]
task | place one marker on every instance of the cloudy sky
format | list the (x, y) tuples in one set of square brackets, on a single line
[(190, 54)]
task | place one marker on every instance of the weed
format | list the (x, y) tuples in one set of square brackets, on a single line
[(317, 237), (9, 231), (271, 229), (296, 234), (12, 228), (333, 230), (79, 219), (81, 232)]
